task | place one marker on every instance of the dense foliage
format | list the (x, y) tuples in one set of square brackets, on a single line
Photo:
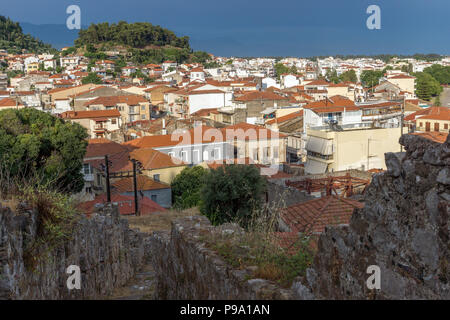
[(37, 145), (440, 73), (137, 35), (427, 86), (232, 193), (92, 78), (370, 78), (350, 75), (187, 187), (13, 40)]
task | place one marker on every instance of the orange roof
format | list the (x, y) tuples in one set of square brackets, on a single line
[(260, 95), (152, 159), (333, 104), (101, 147), (125, 204), (113, 100), (435, 136), (431, 113), (143, 183), (314, 215), (318, 83), (114, 113), (287, 117), (9, 102), (261, 132)]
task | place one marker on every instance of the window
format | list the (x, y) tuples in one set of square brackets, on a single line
[(445, 125), (275, 152), (216, 153), (86, 168), (143, 108), (184, 156), (154, 197), (196, 156), (113, 121), (143, 116), (88, 190), (156, 177)]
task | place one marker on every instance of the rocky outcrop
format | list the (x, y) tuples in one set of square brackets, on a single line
[(186, 269), (106, 250), (403, 229)]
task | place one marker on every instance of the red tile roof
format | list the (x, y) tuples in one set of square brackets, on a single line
[(125, 204), (431, 113), (290, 116), (91, 114), (313, 216), (435, 136), (259, 95), (113, 100), (144, 183), (152, 159)]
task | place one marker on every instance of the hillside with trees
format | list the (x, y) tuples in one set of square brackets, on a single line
[(145, 43), (14, 40)]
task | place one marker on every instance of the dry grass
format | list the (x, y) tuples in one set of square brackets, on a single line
[(159, 221)]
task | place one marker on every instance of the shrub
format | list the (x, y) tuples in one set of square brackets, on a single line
[(232, 193), (187, 187)]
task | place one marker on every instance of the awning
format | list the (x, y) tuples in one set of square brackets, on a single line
[(315, 167), (319, 145)]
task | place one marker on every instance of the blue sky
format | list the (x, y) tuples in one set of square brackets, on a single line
[(268, 27)]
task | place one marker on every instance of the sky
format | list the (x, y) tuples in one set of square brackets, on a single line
[(267, 27)]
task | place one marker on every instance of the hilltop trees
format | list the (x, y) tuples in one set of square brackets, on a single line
[(137, 35), (36, 145), (92, 78), (13, 40)]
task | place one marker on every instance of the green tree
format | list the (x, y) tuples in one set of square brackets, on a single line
[(332, 76), (349, 75), (232, 193), (280, 69), (36, 144), (370, 78), (187, 187), (426, 86), (92, 78), (440, 73)]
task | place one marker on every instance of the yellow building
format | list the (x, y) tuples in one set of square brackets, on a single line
[(31, 67), (430, 119), (357, 148)]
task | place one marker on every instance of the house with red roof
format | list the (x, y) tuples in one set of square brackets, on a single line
[(435, 119), (125, 204), (99, 123)]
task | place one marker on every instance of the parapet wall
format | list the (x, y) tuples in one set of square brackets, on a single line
[(403, 229), (106, 250), (186, 269)]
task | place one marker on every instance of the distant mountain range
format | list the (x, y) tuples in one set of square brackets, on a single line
[(58, 35)]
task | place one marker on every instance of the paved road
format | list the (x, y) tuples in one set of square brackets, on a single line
[(445, 97)]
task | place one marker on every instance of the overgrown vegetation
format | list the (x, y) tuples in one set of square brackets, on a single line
[(187, 187), (35, 143), (258, 249), (56, 220), (232, 193)]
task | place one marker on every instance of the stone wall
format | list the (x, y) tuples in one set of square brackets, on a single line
[(403, 229), (186, 269), (106, 250)]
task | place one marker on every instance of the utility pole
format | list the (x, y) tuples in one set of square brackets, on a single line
[(135, 169), (108, 188)]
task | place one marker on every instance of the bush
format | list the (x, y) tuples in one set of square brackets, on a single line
[(36, 144), (187, 187), (231, 193)]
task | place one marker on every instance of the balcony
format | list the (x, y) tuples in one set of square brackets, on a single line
[(89, 177)]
